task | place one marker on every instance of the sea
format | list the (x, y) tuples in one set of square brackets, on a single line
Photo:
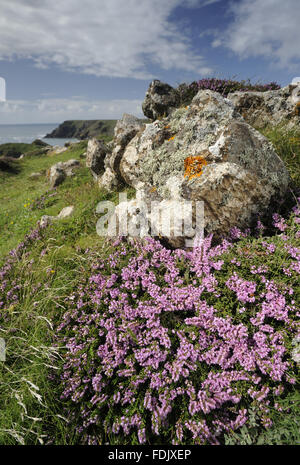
[(28, 133)]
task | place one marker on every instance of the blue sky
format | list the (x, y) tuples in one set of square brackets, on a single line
[(94, 59)]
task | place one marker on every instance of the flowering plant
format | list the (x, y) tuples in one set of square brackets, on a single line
[(186, 92), (175, 347)]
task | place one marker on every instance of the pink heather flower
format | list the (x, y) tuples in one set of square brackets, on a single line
[(279, 222), (270, 247), (258, 270), (260, 226), (139, 334), (235, 233), (244, 289)]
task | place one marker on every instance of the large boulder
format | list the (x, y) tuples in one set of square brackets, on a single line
[(160, 100), (95, 156), (207, 152), (273, 107), (58, 172), (126, 128), (124, 131)]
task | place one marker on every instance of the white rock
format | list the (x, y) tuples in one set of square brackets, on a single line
[(66, 212), (239, 174)]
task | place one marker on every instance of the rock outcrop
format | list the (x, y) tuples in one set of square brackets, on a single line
[(258, 108), (95, 155), (58, 172), (273, 107), (160, 100), (207, 153), (124, 131)]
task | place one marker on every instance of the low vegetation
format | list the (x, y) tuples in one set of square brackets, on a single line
[(85, 129), (14, 150), (224, 86), (102, 339)]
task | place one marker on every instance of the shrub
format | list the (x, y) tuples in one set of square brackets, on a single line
[(186, 92), (181, 347), (8, 165)]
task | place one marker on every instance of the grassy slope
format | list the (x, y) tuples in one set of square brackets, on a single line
[(14, 150), (19, 192), (29, 404), (28, 335), (84, 129)]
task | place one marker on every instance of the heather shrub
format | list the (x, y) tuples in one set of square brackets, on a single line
[(182, 347), (186, 92), (155, 346)]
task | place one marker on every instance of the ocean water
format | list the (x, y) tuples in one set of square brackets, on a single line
[(28, 133)]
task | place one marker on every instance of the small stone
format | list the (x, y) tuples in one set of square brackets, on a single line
[(66, 212)]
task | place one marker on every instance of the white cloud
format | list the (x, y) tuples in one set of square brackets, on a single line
[(50, 110), (2, 89), (268, 28), (115, 38), (197, 3)]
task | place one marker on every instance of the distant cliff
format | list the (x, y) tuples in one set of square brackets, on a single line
[(84, 129)]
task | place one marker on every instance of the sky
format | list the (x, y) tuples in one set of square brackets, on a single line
[(94, 59)]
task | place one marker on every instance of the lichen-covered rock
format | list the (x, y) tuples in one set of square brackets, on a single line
[(56, 175), (144, 220), (108, 180), (207, 152), (160, 100), (124, 131), (70, 165), (95, 156), (61, 170), (126, 128), (273, 107)]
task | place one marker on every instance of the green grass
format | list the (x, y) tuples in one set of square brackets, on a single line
[(287, 145), (14, 150), (28, 334), (85, 129), (18, 194)]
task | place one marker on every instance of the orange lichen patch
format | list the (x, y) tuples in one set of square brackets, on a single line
[(193, 166), (171, 138), (297, 109), (167, 127), (153, 189)]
